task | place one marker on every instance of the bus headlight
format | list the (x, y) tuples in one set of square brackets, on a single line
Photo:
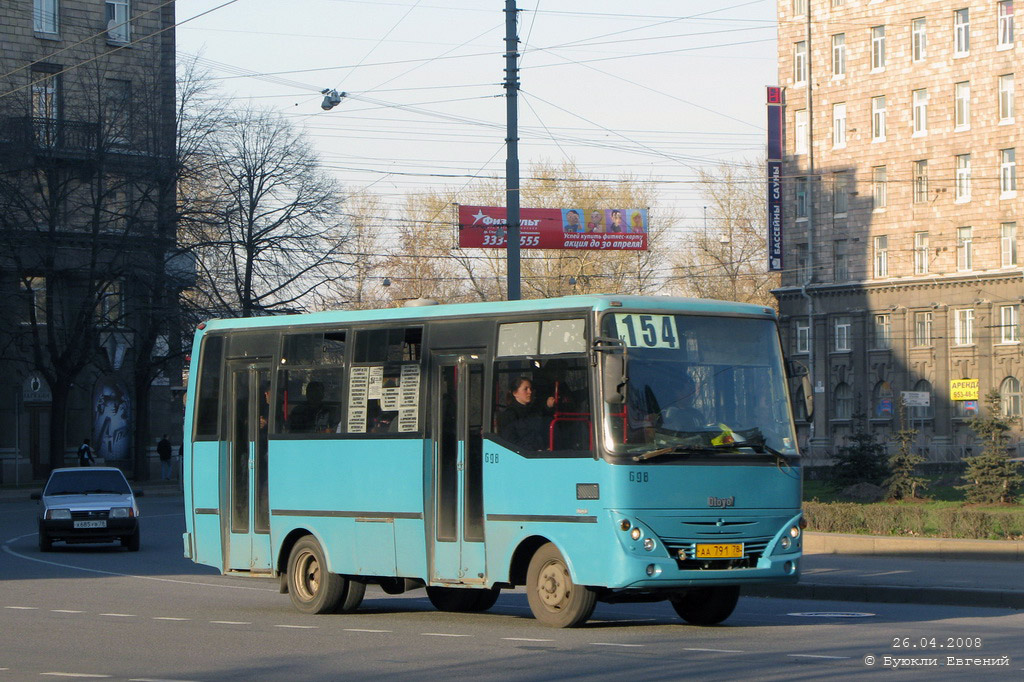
[(785, 542), (649, 544), (636, 533), (624, 525), (794, 532)]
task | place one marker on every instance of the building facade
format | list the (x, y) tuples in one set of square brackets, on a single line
[(88, 315), (902, 214)]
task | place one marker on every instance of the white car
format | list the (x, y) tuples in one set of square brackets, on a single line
[(88, 504)]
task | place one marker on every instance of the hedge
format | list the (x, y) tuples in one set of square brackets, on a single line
[(914, 520)]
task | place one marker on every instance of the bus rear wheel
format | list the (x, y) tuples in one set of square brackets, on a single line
[(352, 596), (312, 588), (462, 600), (706, 605), (555, 600)]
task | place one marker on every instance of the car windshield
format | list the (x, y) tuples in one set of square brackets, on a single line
[(84, 481), (698, 383)]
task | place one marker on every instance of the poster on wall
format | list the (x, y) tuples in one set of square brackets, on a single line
[(112, 418)]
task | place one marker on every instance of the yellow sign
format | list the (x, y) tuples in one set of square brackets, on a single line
[(963, 389)]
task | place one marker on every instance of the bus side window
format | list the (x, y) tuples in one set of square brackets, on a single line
[(208, 401), (310, 383)]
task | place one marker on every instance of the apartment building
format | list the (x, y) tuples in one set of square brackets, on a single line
[(902, 214), (89, 345)]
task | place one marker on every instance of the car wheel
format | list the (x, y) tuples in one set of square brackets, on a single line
[(462, 599), (706, 605), (131, 542), (312, 588), (45, 542), (555, 600)]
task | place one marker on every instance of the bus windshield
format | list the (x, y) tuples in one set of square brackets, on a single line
[(699, 385)]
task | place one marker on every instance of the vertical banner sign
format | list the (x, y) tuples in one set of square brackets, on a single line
[(774, 178)]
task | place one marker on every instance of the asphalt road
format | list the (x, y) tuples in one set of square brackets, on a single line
[(99, 612)]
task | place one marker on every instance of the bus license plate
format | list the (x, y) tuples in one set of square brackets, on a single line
[(90, 524), (722, 551)]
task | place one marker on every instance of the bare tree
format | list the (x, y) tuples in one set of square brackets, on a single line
[(278, 234), (728, 260)]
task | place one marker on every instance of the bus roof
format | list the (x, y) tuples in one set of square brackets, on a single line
[(567, 303)]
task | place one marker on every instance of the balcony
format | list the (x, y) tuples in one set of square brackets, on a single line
[(50, 134)]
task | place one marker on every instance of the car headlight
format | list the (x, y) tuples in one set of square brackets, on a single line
[(120, 512), (59, 514)]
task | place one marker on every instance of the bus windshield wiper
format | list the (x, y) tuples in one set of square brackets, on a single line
[(682, 450)]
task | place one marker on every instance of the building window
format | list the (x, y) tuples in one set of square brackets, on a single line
[(962, 190), (879, 188), (35, 291), (920, 99), (964, 249), (840, 261), (110, 308), (920, 253), (881, 256), (839, 54), (921, 181), (881, 400), (1008, 324), (1007, 173), (803, 336), (45, 107), (922, 412), (883, 331), (842, 333), (800, 63), (118, 25), (839, 125), (1005, 25), (961, 32), (803, 264), (803, 203), (1008, 244), (843, 398), (841, 193), (44, 15), (919, 39), (838, 3), (878, 118), (922, 329), (963, 331), (1009, 391), (799, 7), (800, 125), (877, 48), (962, 106), (1006, 98)]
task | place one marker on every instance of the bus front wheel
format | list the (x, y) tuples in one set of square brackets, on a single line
[(555, 600), (706, 605), (312, 588)]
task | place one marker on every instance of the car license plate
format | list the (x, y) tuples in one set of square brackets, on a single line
[(732, 550), (90, 524)]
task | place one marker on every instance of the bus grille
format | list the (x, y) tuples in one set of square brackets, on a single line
[(685, 551)]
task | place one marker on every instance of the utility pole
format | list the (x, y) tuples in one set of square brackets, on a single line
[(512, 148)]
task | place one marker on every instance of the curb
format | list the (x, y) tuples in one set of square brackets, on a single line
[(924, 548), (940, 596)]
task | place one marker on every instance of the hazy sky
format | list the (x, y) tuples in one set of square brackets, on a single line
[(655, 88)]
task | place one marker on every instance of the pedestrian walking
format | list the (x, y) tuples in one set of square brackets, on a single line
[(85, 457), (163, 448)]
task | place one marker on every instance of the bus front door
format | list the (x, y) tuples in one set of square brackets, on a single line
[(458, 527), (248, 520)]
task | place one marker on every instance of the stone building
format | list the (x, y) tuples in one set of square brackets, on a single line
[(902, 214), (88, 312)]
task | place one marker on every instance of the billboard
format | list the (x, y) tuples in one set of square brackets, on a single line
[(775, 150), (621, 229)]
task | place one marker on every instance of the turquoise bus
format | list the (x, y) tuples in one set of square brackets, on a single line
[(588, 448)]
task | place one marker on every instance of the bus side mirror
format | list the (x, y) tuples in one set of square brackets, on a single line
[(613, 372), (805, 384)]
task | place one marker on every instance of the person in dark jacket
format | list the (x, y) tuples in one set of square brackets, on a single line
[(163, 448), (523, 422)]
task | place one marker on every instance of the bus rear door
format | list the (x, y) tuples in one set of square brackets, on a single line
[(458, 530), (248, 520)]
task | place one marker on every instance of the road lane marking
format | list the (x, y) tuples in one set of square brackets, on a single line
[(119, 615), (77, 675), (526, 639), (169, 618), (65, 611), (22, 608), (231, 622), (364, 630), (716, 651), (638, 646), (829, 658), (299, 627), (441, 634)]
